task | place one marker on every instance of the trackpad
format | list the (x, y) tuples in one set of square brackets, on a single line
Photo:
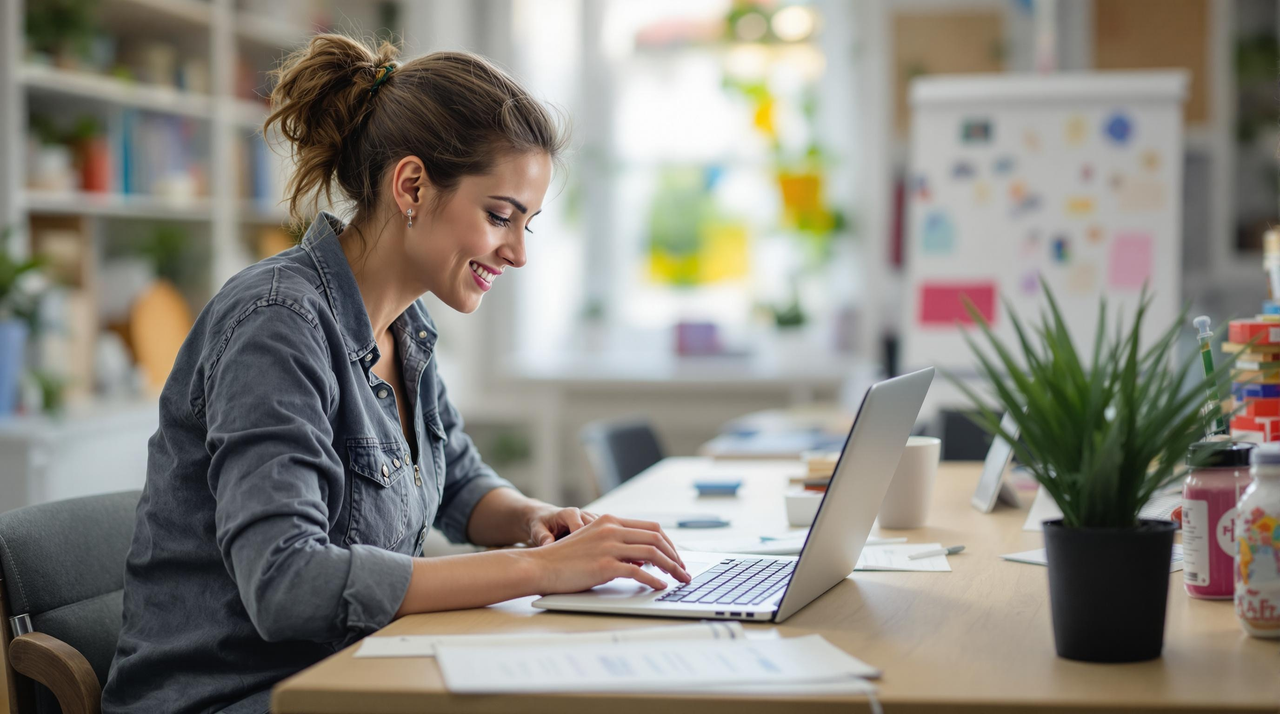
[(619, 588)]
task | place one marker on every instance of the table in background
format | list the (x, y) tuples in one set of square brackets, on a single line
[(977, 639)]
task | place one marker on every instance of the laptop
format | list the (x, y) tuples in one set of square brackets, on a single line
[(773, 588)]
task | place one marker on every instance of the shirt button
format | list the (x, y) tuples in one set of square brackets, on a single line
[(422, 334), (382, 394), (368, 357), (395, 463)]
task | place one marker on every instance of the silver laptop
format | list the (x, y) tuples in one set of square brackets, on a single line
[(760, 588)]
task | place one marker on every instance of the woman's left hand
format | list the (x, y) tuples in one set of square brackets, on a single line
[(548, 522)]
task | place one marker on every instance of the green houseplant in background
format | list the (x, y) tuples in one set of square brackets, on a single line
[(1101, 437), (17, 312)]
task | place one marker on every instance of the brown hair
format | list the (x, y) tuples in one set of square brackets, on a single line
[(455, 111)]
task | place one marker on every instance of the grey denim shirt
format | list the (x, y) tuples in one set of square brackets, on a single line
[(283, 504)]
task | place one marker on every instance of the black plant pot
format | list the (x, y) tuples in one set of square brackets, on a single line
[(1107, 590)]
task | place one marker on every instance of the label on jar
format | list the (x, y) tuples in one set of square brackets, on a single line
[(1226, 532), (1258, 571), (1195, 542)]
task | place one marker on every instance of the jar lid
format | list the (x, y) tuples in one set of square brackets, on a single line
[(1267, 454), (1222, 454)]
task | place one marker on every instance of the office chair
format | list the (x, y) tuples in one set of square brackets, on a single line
[(62, 599), (619, 450)]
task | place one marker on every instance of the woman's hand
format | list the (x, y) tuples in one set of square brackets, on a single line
[(548, 522), (604, 548)]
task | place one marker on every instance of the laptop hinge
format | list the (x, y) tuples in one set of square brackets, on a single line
[(20, 624)]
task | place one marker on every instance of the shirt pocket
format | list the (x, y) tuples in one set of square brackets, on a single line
[(379, 493)]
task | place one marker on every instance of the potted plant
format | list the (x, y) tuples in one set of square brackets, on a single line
[(17, 310), (1100, 437)]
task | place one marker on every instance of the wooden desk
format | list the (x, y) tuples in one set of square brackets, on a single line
[(978, 639)]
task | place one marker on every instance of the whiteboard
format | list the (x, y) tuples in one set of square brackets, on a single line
[(1073, 179)]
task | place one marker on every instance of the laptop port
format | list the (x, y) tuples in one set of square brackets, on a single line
[(735, 614), (721, 614)]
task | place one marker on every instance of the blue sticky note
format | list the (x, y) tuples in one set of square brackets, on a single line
[(717, 487), (1118, 128), (939, 234)]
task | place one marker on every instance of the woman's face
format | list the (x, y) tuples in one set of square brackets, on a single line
[(461, 249)]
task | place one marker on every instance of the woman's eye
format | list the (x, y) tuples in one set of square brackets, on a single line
[(499, 221)]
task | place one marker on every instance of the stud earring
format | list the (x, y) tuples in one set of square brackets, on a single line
[(409, 213)]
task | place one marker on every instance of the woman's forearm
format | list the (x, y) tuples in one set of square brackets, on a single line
[(502, 517), (458, 582)]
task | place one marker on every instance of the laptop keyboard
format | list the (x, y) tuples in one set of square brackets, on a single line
[(735, 581)]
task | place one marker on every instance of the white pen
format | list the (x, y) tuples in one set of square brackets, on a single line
[(936, 551)]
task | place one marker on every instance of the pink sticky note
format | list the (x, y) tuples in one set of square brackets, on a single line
[(1130, 265), (943, 304)]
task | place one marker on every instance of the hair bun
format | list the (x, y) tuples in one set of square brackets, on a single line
[(320, 100)]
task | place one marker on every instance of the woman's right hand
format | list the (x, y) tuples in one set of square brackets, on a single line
[(606, 548)]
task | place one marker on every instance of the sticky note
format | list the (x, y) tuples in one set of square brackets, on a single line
[(976, 131), (1003, 165), (962, 170), (1130, 261), (1075, 130), (1029, 284), (939, 233), (1141, 194), (1079, 206), (1118, 128), (1082, 278), (943, 303), (1031, 141), (1061, 249), (1095, 234), (981, 192), (1151, 160)]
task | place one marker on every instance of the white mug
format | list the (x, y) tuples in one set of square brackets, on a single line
[(906, 504)]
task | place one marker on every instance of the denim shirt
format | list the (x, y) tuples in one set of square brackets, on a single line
[(283, 504)]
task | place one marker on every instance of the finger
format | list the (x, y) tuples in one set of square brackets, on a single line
[(588, 517), (658, 540), (636, 572), (571, 518), (657, 557), (651, 526), (540, 535)]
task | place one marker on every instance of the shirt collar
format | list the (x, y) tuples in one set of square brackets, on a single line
[(322, 244)]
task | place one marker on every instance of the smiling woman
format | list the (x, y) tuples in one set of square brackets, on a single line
[(306, 441)]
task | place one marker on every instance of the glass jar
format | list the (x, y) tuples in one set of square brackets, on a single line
[(1257, 562), (1209, 498)]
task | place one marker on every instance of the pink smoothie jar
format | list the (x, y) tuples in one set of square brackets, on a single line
[(1209, 499)]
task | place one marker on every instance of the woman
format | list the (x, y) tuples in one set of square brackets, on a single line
[(306, 442)]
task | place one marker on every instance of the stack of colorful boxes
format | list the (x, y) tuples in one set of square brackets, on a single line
[(1256, 378)]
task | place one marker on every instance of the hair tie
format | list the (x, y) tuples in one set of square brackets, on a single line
[(383, 73)]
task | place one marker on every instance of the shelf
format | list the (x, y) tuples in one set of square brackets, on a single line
[(158, 16), (115, 205), (109, 90), (249, 114), (268, 33), (257, 213)]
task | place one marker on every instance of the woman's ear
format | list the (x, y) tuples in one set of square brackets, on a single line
[(409, 184)]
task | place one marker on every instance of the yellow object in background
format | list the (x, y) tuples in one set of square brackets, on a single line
[(158, 323), (723, 254)]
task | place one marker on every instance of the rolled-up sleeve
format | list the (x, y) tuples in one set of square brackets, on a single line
[(467, 477), (268, 399)]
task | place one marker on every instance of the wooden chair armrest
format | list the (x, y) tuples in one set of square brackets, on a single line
[(60, 667)]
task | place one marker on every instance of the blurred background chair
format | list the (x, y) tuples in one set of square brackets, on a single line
[(62, 599), (619, 449)]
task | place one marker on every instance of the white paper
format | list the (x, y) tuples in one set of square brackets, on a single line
[(426, 645), (784, 544), (1040, 557), (645, 666), (894, 557), (1044, 509)]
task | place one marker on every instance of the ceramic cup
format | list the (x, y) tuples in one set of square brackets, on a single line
[(906, 504)]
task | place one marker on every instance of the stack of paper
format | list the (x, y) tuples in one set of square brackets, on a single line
[(797, 666), (426, 645)]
